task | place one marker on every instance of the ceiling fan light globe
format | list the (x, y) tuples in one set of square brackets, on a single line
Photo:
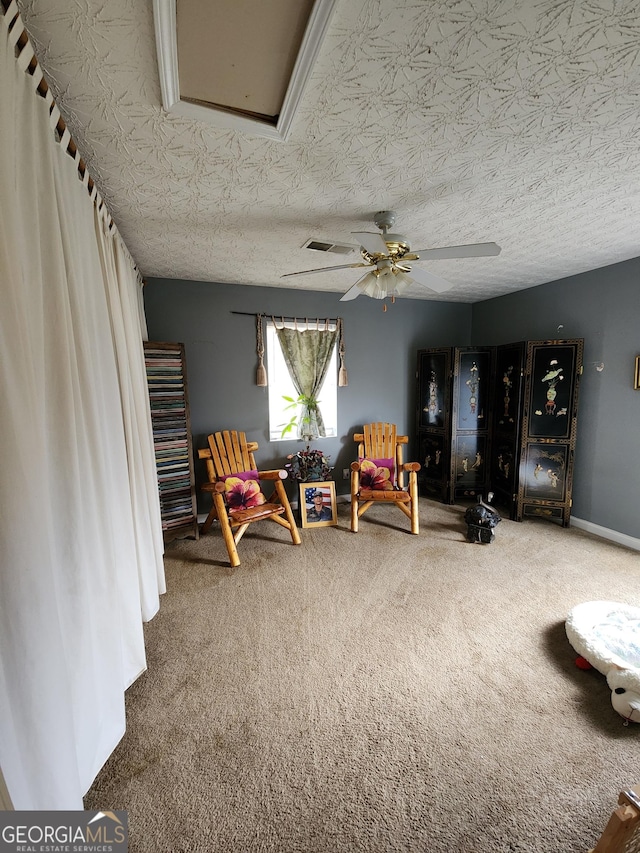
[(372, 286), (402, 282)]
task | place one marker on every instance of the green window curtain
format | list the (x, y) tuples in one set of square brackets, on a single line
[(307, 355)]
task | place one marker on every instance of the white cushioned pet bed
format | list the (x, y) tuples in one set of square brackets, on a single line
[(607, 635)]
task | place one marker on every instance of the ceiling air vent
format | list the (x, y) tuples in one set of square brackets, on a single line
[(335, 248)]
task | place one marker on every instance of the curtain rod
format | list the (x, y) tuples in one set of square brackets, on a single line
[(42, 89), (289, 319)]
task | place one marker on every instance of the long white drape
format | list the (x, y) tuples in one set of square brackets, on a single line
[(123, 305), (80, 533)]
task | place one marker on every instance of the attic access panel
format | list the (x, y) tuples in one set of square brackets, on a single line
[(239, 56), (236, 63)]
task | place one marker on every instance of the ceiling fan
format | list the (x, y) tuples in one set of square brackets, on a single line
[(389, 259)]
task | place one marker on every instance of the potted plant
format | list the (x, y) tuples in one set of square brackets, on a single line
[(307, 465)]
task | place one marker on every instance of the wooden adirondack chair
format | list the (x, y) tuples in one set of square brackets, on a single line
[(622, 833), (234, 483), (380, 450)]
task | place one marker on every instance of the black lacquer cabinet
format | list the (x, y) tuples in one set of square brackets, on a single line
[(454, 418), (435, 372), (500, 419), (548, 431)]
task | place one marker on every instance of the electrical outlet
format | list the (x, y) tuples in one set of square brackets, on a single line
[(345, 473)]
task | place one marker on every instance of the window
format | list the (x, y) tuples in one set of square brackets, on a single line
[(281, 386)]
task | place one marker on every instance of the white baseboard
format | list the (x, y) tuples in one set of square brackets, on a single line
[(606, 533)]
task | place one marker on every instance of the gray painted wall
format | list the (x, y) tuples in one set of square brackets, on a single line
[(221, 358), (603, 307), (600, 306)]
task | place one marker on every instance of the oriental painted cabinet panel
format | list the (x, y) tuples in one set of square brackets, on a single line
[(508, 383), (453, 423), (434, 377), (471, 422), (548, 434), (169, 399)]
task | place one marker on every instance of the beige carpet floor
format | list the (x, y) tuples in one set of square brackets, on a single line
[(375, 692)]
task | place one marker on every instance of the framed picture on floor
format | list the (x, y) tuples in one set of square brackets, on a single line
[(318, 504)]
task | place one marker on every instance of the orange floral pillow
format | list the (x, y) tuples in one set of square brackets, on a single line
[(376, 474), (242, 491)]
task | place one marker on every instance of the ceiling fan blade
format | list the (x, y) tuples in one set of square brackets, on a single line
[(471, 250), (356, 289), (352, 293), (373, 243), (428, 279), (325, 269)]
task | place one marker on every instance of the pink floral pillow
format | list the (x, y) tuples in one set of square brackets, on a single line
[(377, 474), (242, 491)]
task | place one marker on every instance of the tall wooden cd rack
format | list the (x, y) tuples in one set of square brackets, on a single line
[(169, 399)]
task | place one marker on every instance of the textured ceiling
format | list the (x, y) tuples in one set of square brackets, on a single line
[(514, 121)]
